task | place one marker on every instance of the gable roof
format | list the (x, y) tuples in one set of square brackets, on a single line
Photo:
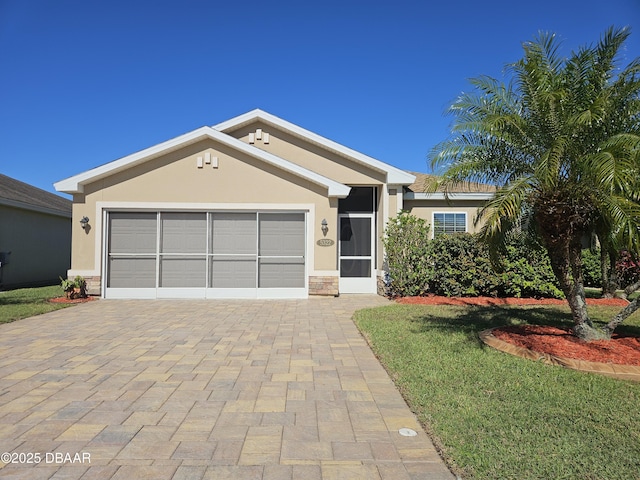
[(395, 176), (76, 183), (419, 190), (15, 193)]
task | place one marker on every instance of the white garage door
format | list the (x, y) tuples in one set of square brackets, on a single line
[(206, 255)]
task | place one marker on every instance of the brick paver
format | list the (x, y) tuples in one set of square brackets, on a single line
[(204, 390)]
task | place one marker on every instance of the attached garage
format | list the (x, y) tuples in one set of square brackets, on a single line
[(209, 254)]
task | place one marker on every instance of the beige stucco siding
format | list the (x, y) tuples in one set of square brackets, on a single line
[(311, 156), (425, 210), (393, 202), (379, 231), (176, 179)]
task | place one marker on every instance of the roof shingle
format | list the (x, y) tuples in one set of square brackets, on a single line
[(423, 180), (18, 193)]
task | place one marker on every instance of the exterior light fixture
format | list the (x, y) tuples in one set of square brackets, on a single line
[(84, 222), (324, 227)]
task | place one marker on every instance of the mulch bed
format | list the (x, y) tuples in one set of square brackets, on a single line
[(71, 301), (621, 349)]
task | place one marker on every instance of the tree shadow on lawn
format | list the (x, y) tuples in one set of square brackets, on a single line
[(474, 319), (19, 300)]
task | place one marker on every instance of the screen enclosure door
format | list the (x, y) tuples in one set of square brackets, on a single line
[(357, 270)]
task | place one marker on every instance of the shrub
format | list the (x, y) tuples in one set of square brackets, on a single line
[(461, 267), (458, 265), (407, 256), (628, 269), (527, 271), (591, 268)]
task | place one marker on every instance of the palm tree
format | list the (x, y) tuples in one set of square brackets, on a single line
[(561, 141)]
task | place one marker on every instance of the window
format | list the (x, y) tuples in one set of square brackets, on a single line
[(449, 223)]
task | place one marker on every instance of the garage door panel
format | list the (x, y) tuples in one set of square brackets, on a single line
[(183, 272), (134, 232), (233, 233), (233, 272), (128, 272), (184, 233), (282, 234), (281, 273)]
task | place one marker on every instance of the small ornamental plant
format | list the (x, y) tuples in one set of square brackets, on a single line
[(76, 288)]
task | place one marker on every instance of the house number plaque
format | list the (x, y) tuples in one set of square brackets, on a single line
[(325, 242)]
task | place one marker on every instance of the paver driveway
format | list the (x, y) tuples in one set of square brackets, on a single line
[(204, 389)]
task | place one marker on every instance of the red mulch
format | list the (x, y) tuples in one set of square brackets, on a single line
[(491, 301), (71, 301), (621, 349)]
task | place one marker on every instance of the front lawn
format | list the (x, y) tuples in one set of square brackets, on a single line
[(27, 302), (498, 416)]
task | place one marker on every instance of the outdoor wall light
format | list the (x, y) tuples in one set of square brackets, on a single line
[(84, 222), (324, 227)]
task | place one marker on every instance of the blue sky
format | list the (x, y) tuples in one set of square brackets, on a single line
[(85, 82)]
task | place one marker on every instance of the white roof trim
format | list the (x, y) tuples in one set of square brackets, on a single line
[(450, 196), (394, 175), (76, 183)]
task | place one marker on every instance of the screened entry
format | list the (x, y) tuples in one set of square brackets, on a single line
[(356, 217), (206, 255)]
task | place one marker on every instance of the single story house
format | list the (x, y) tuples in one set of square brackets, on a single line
[(253, 207), (35, 235)]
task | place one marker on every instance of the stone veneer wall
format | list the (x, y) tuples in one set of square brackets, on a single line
[(381, 287), (93, 285), (324, 286)]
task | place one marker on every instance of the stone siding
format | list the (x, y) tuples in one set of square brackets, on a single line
[(324, 286)]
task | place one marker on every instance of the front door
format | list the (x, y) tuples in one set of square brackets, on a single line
[(356, 249)]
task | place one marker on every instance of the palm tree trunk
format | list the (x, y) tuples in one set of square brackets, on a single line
[(612, 278), (566, 262), (608, 257), (621, 316), (604, 271), (626, 311), (631, 288)]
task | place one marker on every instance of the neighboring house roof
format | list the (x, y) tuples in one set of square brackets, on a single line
[(76, 183), (420, 190), (15, 193), (395, 176)]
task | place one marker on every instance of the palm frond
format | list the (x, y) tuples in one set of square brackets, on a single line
[(503, 213), (556, 128)]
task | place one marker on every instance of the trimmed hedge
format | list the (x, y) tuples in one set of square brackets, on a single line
[(407, 256), (458, 265)]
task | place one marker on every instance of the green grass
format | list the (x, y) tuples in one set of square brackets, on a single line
[(592, 292), (495, 416), (27, 302)]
